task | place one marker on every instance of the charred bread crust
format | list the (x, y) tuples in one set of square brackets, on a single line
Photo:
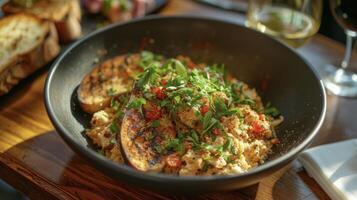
[(114, 73)]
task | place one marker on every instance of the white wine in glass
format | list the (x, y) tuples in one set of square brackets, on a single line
[(342, 79), (291, 21)]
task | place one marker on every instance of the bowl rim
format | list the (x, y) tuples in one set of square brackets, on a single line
[(149, 176)]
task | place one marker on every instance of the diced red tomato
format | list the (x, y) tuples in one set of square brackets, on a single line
[(216, 131), (163, 82), (173, 160), (153, 114), (204, 108), (159, 93), (256, 129), (191, 65)]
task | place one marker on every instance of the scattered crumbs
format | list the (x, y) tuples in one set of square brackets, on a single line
[(102, 52)]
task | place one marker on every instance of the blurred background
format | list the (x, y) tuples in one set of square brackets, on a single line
[(329, 26)]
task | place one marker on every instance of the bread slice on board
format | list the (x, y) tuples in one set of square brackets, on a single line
[(66, 14), (26, 44)]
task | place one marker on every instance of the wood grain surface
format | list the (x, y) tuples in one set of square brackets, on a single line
[(35, 160)]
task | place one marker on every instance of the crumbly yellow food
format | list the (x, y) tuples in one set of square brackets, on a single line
[(186, 119)]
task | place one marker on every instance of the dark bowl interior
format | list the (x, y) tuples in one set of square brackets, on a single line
[(288, 83)]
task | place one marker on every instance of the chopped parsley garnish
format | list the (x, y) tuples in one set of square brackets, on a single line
[(205, 165), (111, 92), (246, 101), (158, 149), (137, 103), (155, 123), (203, 90), (147, 58), (149, 75), (270, 110), (115, 104), (193, 137), (208, 121), (180, 69), (113, 127), (228, 145), (222, 109), (175, 144)]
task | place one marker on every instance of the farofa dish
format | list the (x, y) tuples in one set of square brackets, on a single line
[(174, 116)]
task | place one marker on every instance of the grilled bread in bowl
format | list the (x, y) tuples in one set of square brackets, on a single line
[(298, 94)]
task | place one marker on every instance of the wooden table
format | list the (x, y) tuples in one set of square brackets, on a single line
[(36, 161)]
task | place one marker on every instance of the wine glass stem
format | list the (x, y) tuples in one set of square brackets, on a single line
[(351, 39)]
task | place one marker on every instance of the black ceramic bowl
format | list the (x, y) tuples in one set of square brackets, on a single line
[(289, 82)]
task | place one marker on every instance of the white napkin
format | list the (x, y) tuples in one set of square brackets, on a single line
[(334, 167)]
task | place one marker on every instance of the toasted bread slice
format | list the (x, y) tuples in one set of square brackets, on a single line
[(66, 14), (27, 43), (140, 141), (110, 78)]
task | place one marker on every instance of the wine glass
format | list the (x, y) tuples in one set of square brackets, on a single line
[(291, 21), (342, 80)]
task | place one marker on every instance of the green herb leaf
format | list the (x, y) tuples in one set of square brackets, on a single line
[(114, 104), (175, 144), (113, 127), (233, 111), (272, 111), (163, 103), (119, 114), (234, 150), (149, 75), (220, 107), (155, 123), (228, 145), (180, 69), (246, 101), (195, 136), (177, 99), (158, 149), (182, 92), (146, 58), (205, 166), (111, 92), (137, 103), (208, 121)]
